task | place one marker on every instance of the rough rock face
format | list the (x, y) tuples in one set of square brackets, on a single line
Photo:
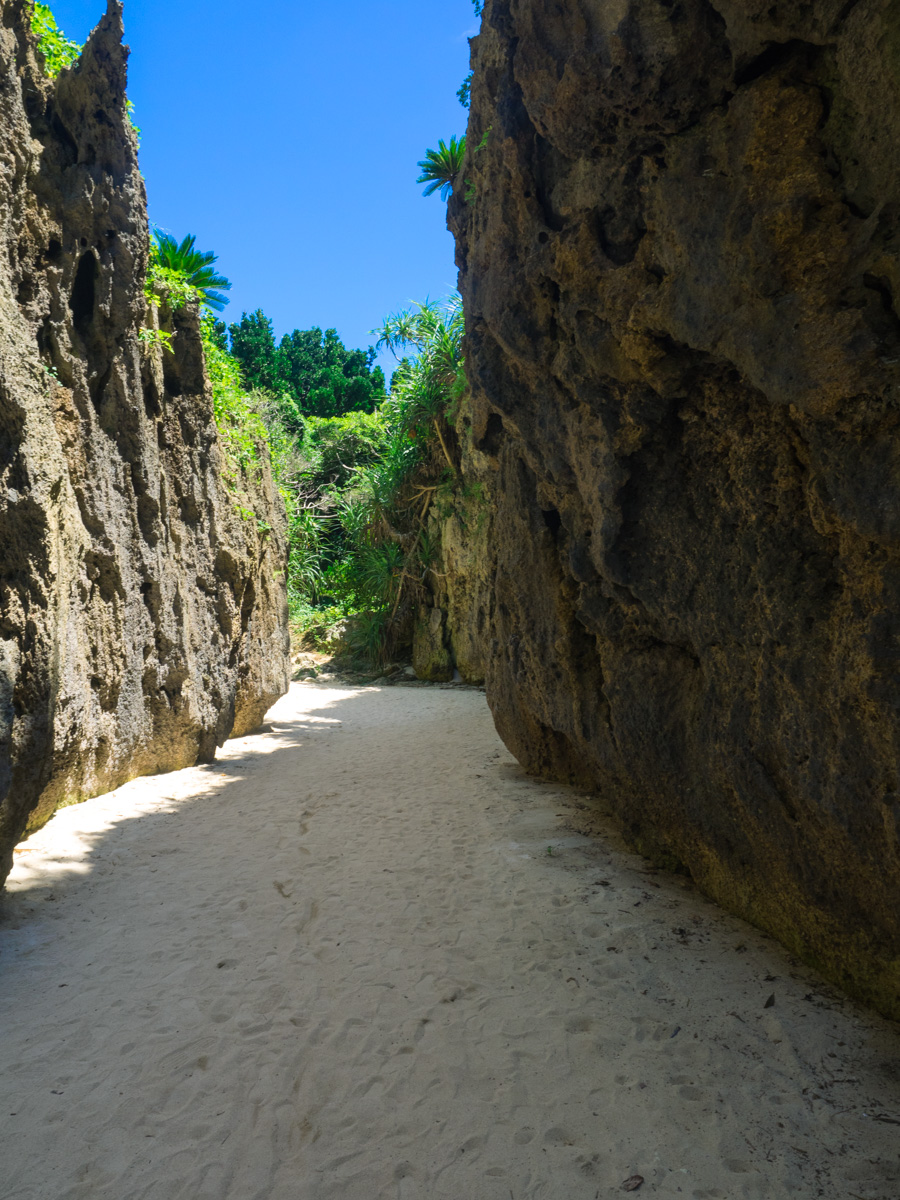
[(142, 619), (680, 269), (452, 633)]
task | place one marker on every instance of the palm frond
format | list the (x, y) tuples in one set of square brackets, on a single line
[(194, 266), (440, 167)]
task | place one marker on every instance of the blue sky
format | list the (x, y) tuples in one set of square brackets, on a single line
[(285, 135)]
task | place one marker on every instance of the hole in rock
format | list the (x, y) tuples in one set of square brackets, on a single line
[(493, 435), (552, 520), (83, 293), (775, 55), (68, 147)]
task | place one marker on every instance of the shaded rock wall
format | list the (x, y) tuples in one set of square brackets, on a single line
[(680, 270), (142, 619), (451, 634)]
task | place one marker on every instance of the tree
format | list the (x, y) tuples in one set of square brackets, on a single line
[(218, 335), (253, 345), (313, 372), (195, 267), (424, 385), (440, 167)]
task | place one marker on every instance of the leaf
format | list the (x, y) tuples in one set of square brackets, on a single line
[(632, 1183), (440, 167), (770, 1003), (193, 266)]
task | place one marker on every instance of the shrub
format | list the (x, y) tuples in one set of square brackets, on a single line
[(58, 50)]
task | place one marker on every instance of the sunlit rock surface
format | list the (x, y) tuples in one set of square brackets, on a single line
[(142, 616), (679, 260)]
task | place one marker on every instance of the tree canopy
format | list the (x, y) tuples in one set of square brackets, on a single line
[(314, 372)]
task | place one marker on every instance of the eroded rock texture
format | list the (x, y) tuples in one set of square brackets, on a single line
[(680, 270), (142, 619)]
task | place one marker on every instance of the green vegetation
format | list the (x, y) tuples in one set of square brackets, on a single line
[(236, 409), (156, 337), (171, 285), (313, 373), (440, 167), (464, 92), (360, 467), (189, 268), (367, 482), (57, 49), (179, 274)]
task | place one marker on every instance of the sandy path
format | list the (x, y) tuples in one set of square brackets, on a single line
[(340, 963)]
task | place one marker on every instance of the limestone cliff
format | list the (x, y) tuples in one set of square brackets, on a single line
[(142, 617), (680, 260)]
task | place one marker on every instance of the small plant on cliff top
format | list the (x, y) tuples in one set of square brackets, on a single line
[(179, 274), (440, 167), (194, 267), (464, 93), (60, 51), (172, 286), (57, 49)]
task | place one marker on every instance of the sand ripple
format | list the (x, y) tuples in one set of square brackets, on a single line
[(340, 964)]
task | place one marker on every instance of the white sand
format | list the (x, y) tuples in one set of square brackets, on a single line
[(340, 963)]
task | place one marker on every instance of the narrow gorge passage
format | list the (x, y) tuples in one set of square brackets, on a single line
[(363, 956)]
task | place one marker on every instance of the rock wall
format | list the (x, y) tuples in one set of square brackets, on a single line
[(450, 634), (142, 618), (680, 260)]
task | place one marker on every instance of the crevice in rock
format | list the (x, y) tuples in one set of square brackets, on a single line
[(493, 436), (775, 56), (103, 571), (618, 239), (881, 286), (843, 15), (546, 168), (65, 145), (148, 519), (83, 297), (553, 521)]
